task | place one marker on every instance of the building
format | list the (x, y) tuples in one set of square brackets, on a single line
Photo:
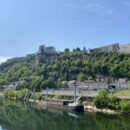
[(43, 49), (125, 48), (113, 47)]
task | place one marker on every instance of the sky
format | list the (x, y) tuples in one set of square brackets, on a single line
[(26, 24)]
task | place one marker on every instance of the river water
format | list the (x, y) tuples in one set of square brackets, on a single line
[(15, 115)]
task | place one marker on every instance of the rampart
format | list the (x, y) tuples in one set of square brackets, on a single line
[(113, 47), (125, 48)]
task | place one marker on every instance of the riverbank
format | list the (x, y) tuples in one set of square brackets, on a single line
[(90, 107), (103, 102)]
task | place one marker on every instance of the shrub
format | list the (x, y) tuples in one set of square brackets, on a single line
[(114, 102), (102, 99), (57, 96), (38, 96), (125, 106), (22, 93), (64, 85), (8, 92), (16, 94)]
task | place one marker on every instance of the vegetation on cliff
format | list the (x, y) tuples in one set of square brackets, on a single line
[(67, 66)]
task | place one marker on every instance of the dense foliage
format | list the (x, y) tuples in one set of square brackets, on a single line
[(66, 66), (20, 94), (9, 93), (103, 100)]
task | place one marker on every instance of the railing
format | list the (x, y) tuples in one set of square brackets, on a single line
[(70, 92), (90, 91)]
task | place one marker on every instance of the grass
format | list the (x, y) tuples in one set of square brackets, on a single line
[(123, 93)]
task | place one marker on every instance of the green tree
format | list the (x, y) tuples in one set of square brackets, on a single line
[(77, 49), (81, 77), (66, 50), (73, 50)]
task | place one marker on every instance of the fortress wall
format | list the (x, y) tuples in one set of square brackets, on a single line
[(125, 48), (43, 49), (113, 47)]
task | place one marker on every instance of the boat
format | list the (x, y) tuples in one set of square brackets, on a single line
[(62, 104)]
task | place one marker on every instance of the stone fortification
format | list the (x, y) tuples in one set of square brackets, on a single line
[(125, 48), (43, 49), (49, 53), (113, 47)]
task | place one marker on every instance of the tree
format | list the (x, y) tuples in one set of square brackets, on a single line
[(78, 63), (73, 50), (64, 85), (81, 77), (66, 50), (50, 83), (77, 49), (84, 49)]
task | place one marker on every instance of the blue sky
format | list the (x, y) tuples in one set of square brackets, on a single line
[(26, 24)]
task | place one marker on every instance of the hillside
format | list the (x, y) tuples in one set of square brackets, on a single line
[(66, 66)]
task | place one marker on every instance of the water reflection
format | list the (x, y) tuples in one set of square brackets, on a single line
[(22, 116)]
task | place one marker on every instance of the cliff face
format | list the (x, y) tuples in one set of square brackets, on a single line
[(45, 57)]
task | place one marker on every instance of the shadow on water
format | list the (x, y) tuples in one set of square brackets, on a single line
[(28, 116)]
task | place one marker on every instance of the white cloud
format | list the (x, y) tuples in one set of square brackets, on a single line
[(4, 59)]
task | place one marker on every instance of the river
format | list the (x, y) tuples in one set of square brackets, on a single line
[(16, 115)]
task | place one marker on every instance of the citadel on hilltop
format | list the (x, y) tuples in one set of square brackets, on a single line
[(113, 47), (43, 49), (41, 55), (46, 54)]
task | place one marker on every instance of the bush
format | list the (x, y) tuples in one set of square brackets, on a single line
[(102, 99), (8, 92), (16, 94), (38, 96), (22, 93), (114, 102), (57, 97), (125, 107), (64, 85)]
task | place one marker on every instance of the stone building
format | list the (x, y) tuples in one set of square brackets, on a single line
[(125, 48), (45, 54), (43, 49)]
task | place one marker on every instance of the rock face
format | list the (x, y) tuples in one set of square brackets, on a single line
[(45, 57)]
